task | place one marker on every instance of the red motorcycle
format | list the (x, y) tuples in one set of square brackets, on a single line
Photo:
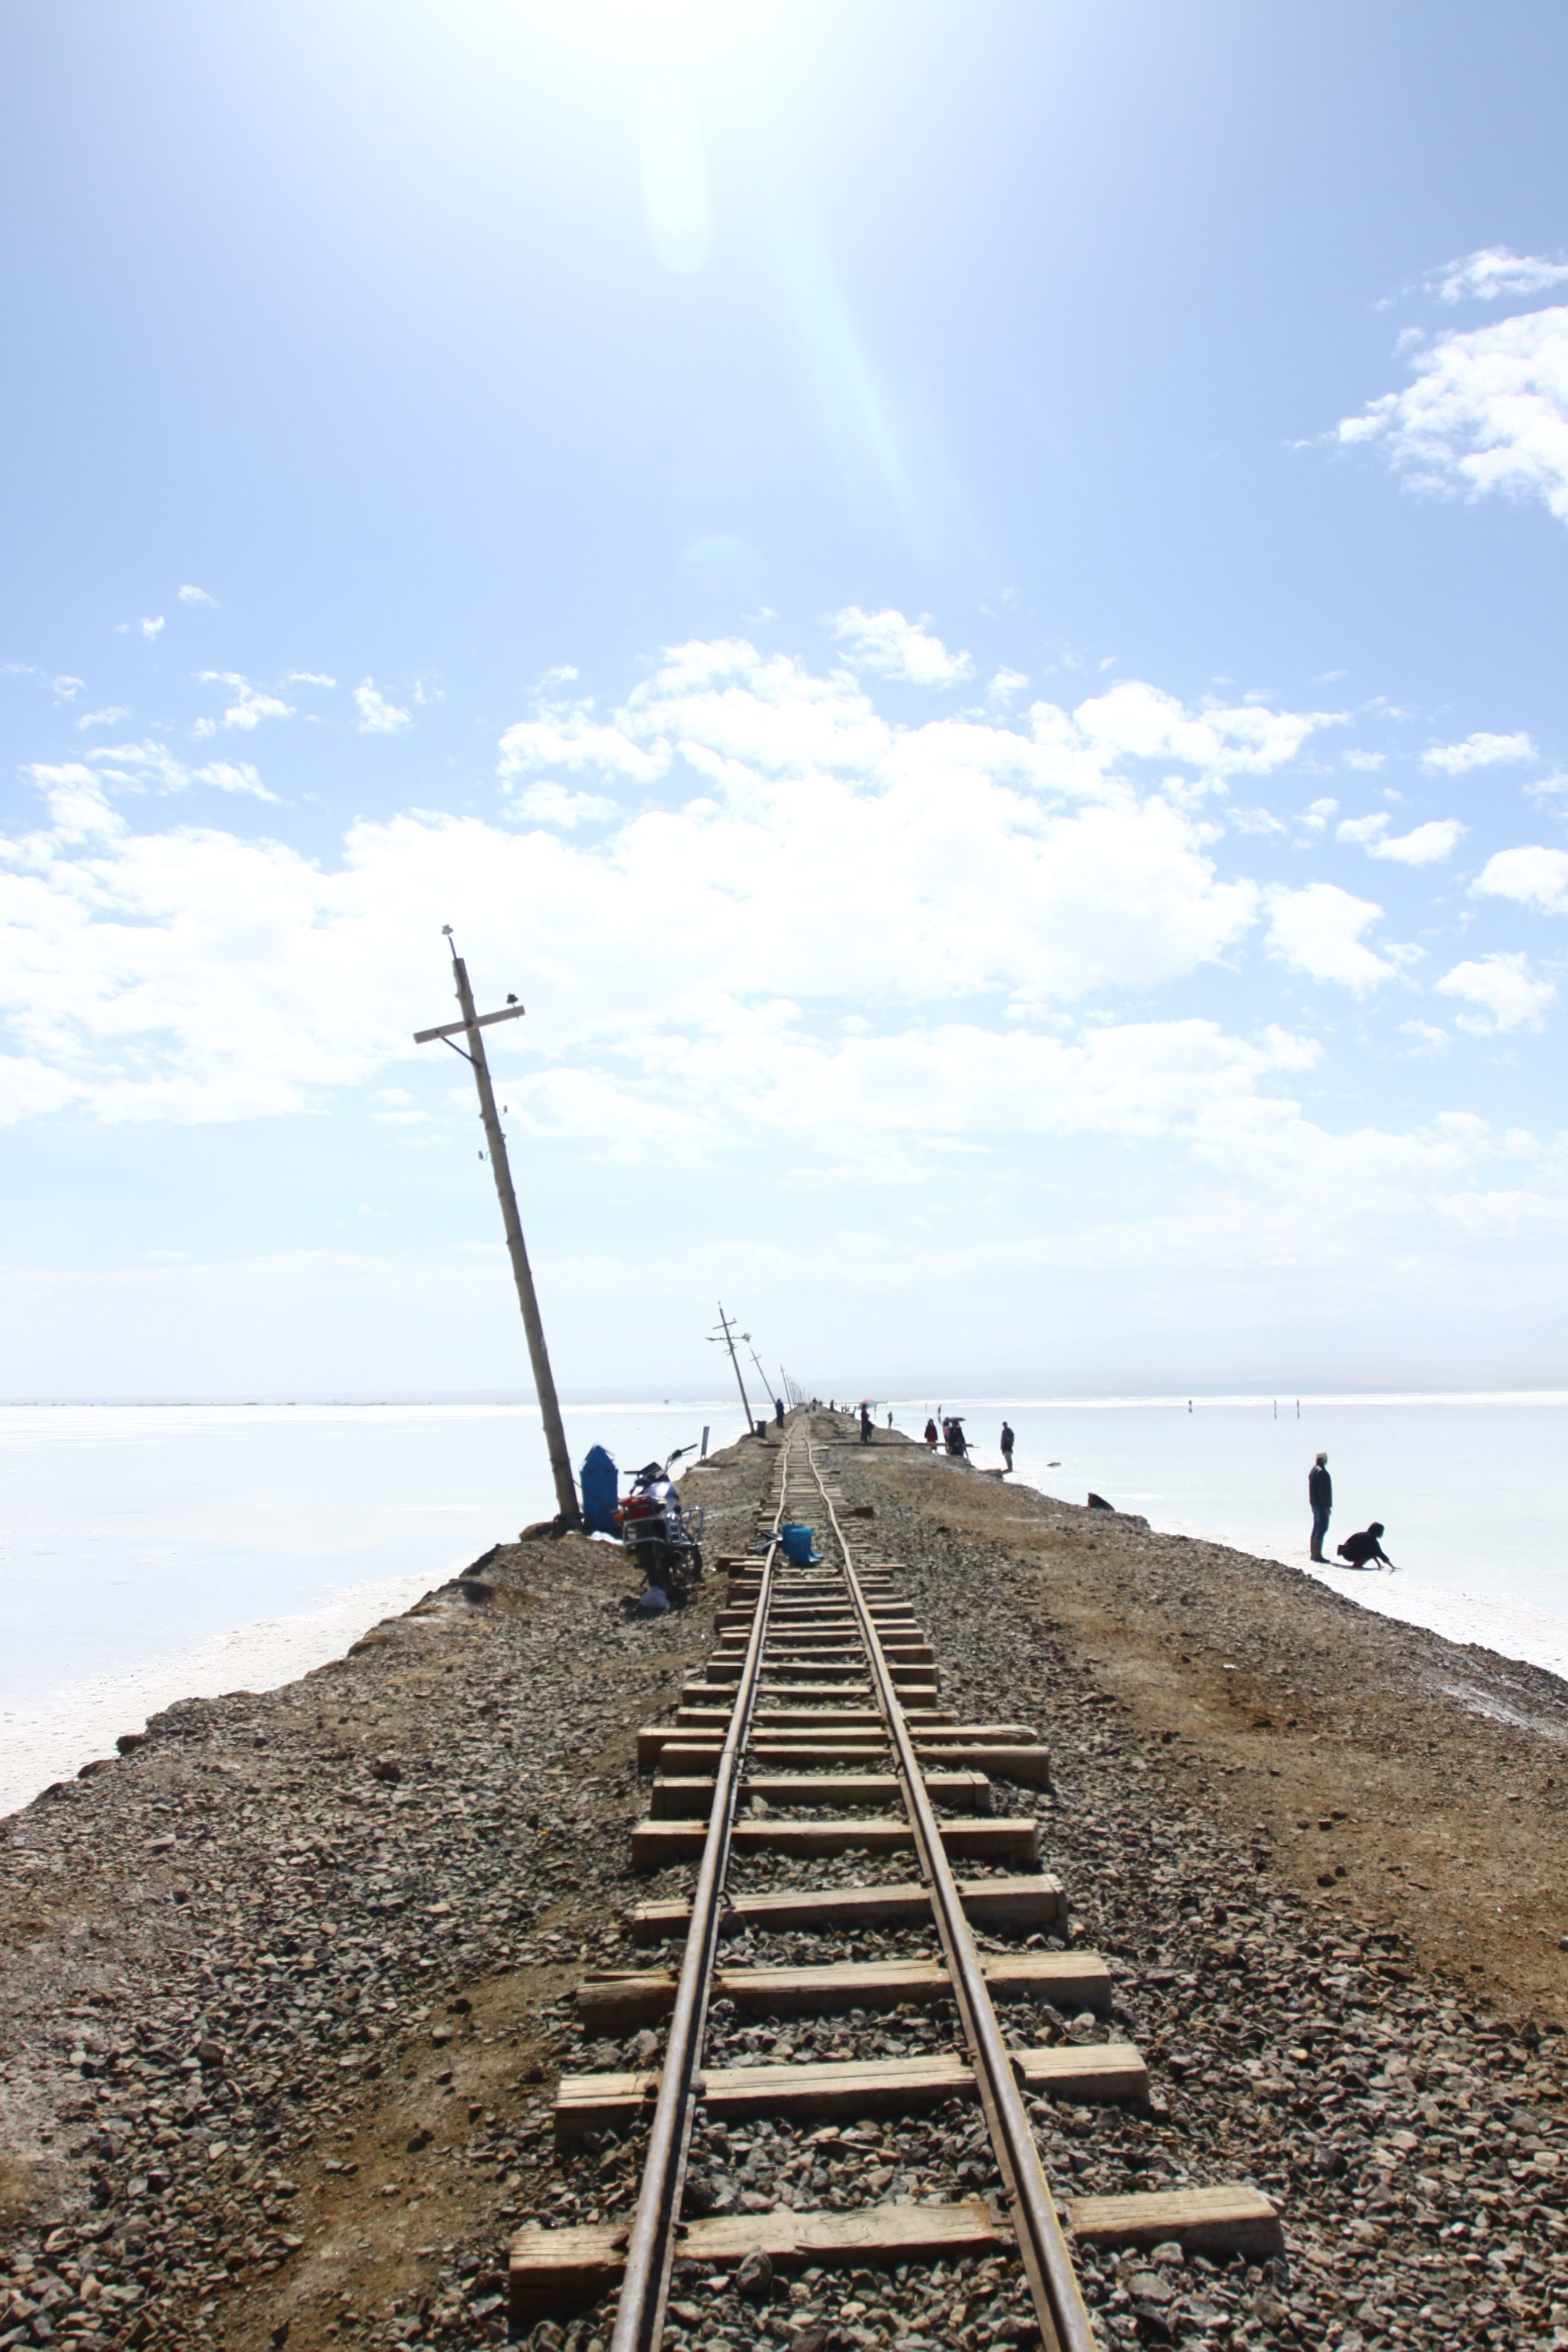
[(666, 1540)]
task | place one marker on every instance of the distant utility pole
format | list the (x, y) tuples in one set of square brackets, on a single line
[(539, 1355), (724, 1326)]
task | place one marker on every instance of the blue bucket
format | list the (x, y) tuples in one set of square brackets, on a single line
[(797, 1545)]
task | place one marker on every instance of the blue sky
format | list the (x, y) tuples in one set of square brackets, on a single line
[(966, 602)]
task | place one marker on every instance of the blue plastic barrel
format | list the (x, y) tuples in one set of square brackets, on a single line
[(797, 1545), (601, 1486)]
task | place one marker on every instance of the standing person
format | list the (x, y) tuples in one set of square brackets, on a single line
[(1006, 1445), (778, 1411), (1321, 1495), (890, 1421), (931, 1433), (865, 1424)]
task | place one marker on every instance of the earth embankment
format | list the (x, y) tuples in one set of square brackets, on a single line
[(285, 1989)]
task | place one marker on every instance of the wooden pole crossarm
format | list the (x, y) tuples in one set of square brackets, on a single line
[(456, 1028)]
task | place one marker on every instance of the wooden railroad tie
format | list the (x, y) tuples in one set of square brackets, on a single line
[(560, 2270), (712, 1722), (1000, 1905), (618, 2001), (1029, 1765), (783, 1711), (1088, 2070), (855, 1687), (824, 1649), (655, 1844), (685, 1799), (819, 1609), (826, 1670)]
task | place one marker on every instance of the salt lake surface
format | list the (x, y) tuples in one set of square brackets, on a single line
[(150, 1553), (1473, 1490)]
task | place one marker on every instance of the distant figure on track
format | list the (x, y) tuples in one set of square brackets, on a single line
[(1360, 1551), (930, 1435), (1006, 1445), (778, 1411), (865, 1424), (1321, 1495)]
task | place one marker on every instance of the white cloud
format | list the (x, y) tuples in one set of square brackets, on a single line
[(993, 902), (1318, 930), (175, 1010), (1533, 876), (68, 689), (1008, 866), (1427, 845), (1424, 844), (1257, 821), (736, 714), (727, 703), (1500, 988), (1492, 274), (152, 767), (111, 716), (1479, 752), (1005, 686), (232, 776), (248, 706), (190, 595), (549, 803), (1317, 815), (568, 736), (308, 677), (1367, 762), (891, 647), (1488, 412), (150, 629), (1140, 722), (376, 715)]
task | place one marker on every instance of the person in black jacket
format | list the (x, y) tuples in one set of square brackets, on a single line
[(1360, 1551), (1007, 1443), (1321, 1495)]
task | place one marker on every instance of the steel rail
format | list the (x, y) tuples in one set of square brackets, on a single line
[(650, 2244), (1064, 2322)]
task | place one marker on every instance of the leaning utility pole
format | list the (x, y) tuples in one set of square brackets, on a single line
[(539, 1355), (739, 1384)]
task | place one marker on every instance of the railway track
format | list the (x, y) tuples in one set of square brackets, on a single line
[(866, 1907)]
